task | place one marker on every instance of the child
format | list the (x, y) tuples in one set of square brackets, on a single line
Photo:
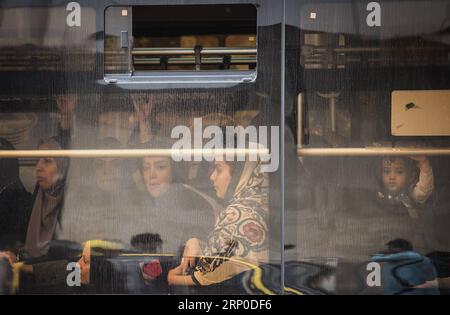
[(405, 183)]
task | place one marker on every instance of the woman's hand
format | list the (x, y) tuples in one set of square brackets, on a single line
[(176, 277), (192, 250), (174, 274)]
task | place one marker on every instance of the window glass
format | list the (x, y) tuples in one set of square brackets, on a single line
[(370, 186), (190, 38), (92, 200)]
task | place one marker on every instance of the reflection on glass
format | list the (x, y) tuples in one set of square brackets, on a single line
[(130, 224), (347, 207)]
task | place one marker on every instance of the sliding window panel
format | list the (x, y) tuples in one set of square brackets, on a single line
[(367, 146), (88, 136)]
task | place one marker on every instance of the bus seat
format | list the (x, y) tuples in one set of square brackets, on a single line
[(202, 40), (240, 40)]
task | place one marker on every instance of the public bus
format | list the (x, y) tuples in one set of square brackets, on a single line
[(239, 146)]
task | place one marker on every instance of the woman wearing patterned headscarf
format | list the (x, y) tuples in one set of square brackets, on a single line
[(239, 238)]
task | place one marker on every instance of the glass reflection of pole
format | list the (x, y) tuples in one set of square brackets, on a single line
[(332, 96), (130, 57), (198, 57)]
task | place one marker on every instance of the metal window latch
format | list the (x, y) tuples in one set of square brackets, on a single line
[(123, 39)]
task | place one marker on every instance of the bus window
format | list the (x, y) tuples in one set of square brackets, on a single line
[(143, 39), (371, 107)]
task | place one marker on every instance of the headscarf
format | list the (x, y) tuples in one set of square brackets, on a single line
[(46, 211), (240, 231)]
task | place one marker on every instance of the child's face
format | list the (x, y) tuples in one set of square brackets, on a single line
[(394, 175)]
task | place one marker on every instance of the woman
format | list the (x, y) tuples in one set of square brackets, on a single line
[(175, 211), (51, 174), (45, 217), (239, 237), (44, 223), (101, 199), (170, 214)]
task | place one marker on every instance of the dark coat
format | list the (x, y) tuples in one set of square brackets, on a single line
[(15, 209)]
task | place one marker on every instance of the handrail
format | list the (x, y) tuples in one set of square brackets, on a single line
[(301, 151), (128, 153), (319, 49), (371, 151)]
